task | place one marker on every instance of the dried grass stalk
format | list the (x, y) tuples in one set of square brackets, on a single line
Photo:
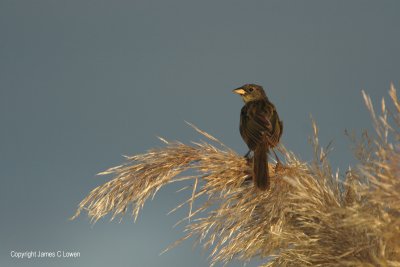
[(309, 217)]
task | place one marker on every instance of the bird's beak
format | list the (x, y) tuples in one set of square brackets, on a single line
[(239, 91)]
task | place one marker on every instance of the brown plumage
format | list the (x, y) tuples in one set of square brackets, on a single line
[(260, 129)]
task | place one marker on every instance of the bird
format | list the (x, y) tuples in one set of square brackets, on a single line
[(260, 128)]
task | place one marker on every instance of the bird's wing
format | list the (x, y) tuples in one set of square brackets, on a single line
[(274, 135), (260, 124), (253, 124)]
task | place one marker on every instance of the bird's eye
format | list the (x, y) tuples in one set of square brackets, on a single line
[(250, 89)]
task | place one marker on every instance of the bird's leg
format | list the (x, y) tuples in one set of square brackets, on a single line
[(247, 157), (247, 154), (278, 165), (276, 157)]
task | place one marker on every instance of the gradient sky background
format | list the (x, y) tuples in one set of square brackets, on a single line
[(84, 82)]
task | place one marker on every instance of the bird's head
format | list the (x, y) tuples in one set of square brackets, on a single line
[(250, 92)]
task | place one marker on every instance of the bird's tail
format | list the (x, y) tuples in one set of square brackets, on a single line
[(260, 168)]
